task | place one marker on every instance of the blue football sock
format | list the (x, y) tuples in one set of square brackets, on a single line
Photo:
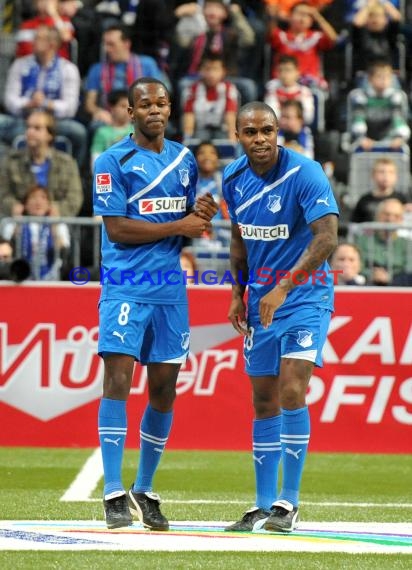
[(266, 457), (112, 421), (294, 439), (154, 431)]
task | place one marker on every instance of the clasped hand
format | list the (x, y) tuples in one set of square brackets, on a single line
[(206, 207)]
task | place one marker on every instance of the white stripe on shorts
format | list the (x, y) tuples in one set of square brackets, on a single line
[(178, 360), (303, 355)]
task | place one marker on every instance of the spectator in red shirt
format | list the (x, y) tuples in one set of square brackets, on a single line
[(47, 15), (303, 42), (287, 88), (211, 103)]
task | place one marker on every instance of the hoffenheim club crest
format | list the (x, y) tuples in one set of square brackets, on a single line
[(185, 340), (305, 339), (184, 177), (274, 203)]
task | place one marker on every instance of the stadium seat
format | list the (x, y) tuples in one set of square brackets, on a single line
[(347, 142), (350, 97), (60, 142)]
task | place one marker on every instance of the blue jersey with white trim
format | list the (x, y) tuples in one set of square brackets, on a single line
[(140, 184), (274, 213)]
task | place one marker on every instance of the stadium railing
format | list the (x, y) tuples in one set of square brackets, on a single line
[(211, 254), (61, 142), (84, 238)]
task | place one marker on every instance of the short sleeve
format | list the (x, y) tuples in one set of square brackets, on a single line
[(315, 193), (109, 192)]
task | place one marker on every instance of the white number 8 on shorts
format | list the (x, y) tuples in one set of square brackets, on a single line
[(248, 342), (124, 314)]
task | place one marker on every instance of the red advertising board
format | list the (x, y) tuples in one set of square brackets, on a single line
[(51, 377)]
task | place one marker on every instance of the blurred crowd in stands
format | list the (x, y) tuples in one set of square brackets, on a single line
[(338, 74)]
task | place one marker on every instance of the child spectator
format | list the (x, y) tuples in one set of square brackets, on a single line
[(292, 131), (210, 180), (353, 6), (303, 42), (379, 110), (384, 178), (374, 34), (106, 135), (210, 176), (211, 104), (287, 87), (347, 260), (38, 243)]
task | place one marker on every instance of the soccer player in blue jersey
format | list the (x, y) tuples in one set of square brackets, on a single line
[(284, 227), (144, 188)]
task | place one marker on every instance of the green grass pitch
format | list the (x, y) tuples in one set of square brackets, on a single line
[(32, 482)]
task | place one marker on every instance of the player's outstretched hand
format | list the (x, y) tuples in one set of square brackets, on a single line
[(206, 206), (268, 305), (237, 316), (193, 226)]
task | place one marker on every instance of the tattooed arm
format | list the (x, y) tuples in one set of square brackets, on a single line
[(325, 232), (324, 242)]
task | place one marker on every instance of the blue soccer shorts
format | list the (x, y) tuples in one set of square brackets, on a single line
[(299, 335), (149, 333)]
